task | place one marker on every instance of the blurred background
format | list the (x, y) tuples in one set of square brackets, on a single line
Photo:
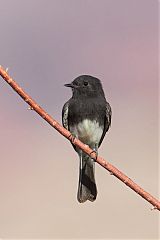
[(46, 44)]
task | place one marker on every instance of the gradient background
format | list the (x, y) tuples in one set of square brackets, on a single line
[(46, 44)]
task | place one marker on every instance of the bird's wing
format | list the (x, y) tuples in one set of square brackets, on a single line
[(107, 121), (65, 115), (65, 120)]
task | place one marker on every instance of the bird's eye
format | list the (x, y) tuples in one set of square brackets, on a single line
[(85, 83)]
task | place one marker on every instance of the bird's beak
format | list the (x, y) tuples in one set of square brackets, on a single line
[(69, 85)]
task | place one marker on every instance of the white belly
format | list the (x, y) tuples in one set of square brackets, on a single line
[(87, 131)]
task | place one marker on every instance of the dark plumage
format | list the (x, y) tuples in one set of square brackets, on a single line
[(87, 115)]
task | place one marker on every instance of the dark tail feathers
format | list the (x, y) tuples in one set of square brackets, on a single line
[(87, 189)]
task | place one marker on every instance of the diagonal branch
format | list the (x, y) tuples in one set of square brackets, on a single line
[(113, 170)]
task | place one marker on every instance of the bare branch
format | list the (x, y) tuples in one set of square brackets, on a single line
[(113, 170)]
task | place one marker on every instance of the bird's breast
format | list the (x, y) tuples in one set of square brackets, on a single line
[(88, 131)]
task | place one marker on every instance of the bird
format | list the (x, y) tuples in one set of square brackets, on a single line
[(87, 115)]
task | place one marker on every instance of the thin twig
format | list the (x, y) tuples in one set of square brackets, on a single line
[(113, 170)]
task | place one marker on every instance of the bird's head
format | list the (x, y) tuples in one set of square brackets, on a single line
[(86, 85)]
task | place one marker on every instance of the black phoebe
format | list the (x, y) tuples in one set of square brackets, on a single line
[(87, 115)]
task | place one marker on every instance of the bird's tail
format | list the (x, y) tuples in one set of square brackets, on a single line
[(87, 189)]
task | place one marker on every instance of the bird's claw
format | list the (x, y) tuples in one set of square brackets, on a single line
[(94, 151), (71, 138)]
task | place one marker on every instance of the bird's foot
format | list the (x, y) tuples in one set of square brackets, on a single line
[(71, 138), (96, 153)]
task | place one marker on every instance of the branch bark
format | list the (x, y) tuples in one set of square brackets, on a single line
[(113, 170)]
